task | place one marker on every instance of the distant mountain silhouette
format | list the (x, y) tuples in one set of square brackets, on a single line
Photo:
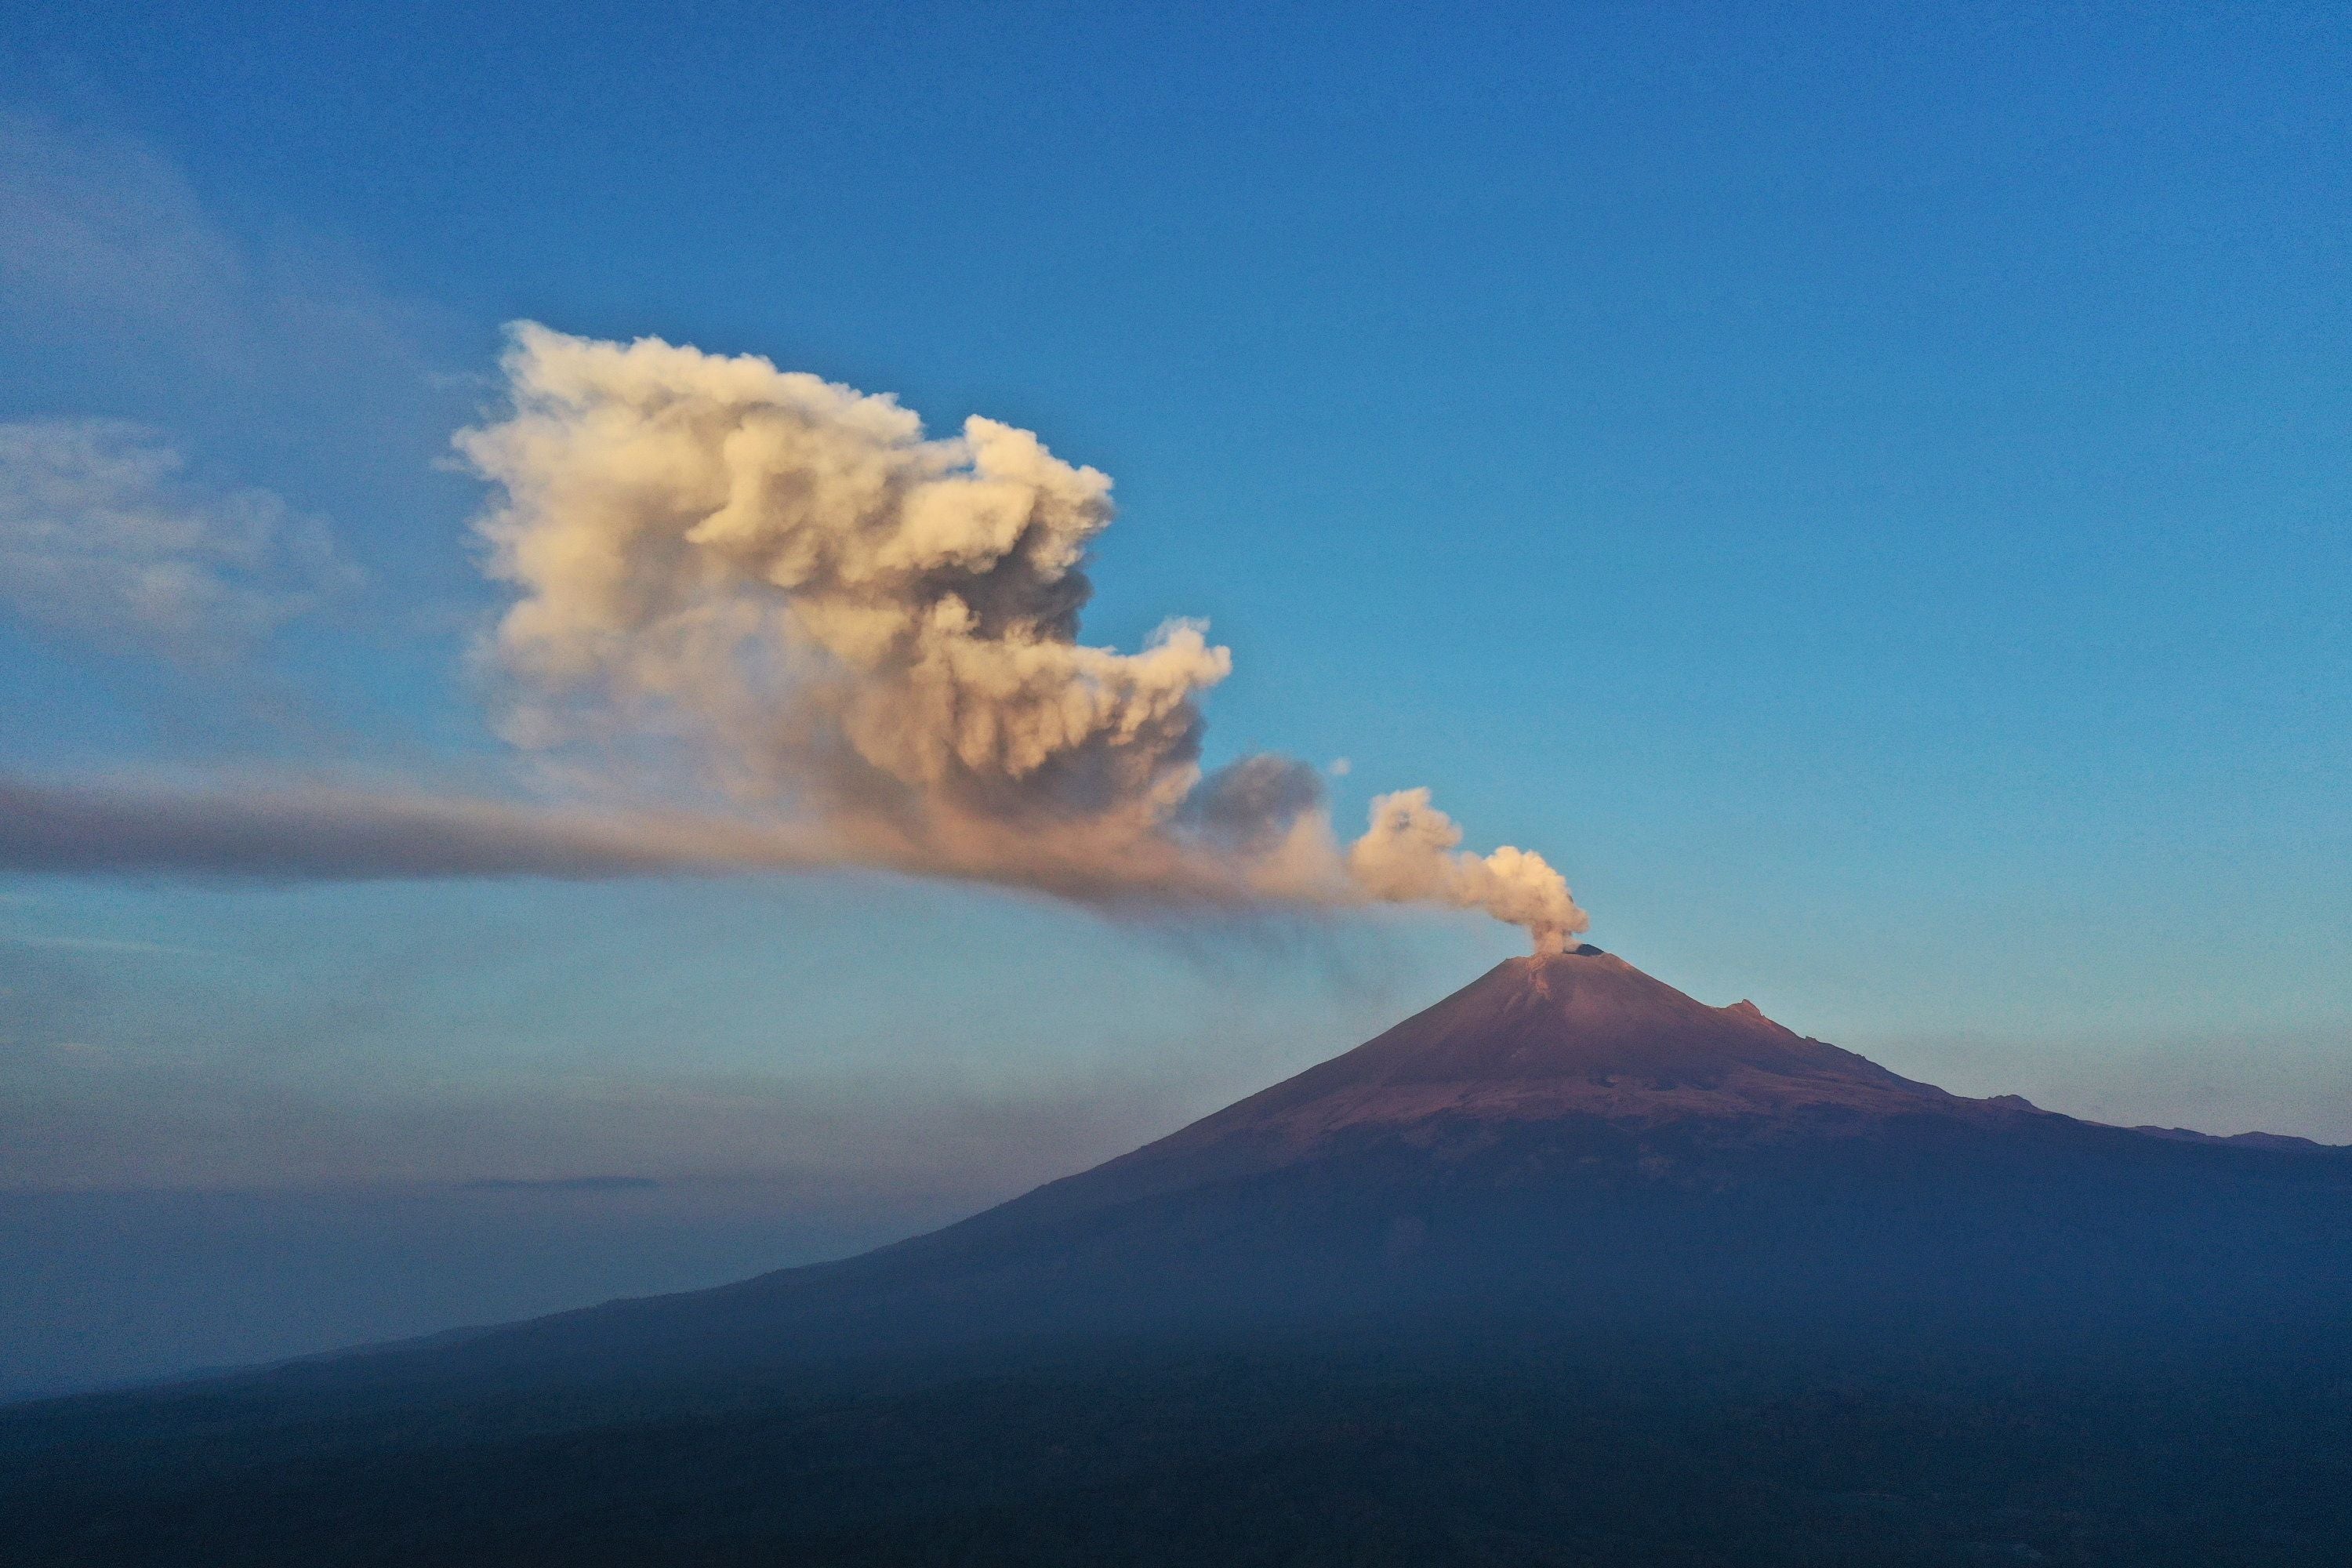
[(1569, 1268)]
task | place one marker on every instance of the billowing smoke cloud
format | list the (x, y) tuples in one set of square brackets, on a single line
[(875, 634), (856, 644), (836, 617)]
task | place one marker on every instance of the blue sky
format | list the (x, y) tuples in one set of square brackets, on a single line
[(1863, 491)]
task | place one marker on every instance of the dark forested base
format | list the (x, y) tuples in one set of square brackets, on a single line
[(1419, 1445)]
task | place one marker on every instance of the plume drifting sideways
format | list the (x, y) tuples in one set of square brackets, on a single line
[(859, 640)]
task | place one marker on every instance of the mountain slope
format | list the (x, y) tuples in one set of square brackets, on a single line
[(1582, 1034)]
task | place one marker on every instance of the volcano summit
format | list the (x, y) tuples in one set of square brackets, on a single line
[(1569, 1268), (1583, 1033)]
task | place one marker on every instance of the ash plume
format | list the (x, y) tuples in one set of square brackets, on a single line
[(858, 643), (322, 831), (854, 624), (836, 619)]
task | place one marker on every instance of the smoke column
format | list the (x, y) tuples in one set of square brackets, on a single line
[(1410, 854), (874, 634), (761, 622)]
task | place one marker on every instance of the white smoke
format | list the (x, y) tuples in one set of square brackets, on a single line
[(874, 634), (1411, 854)]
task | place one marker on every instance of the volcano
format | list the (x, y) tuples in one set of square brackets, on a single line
[(1479, 1288), (1570, 1138)]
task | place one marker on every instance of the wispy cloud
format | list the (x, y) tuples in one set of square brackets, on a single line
[(107, 249), (109, 226), (561, 1185), (105, 944), (102, 535), (267, 355), (867, 1144)]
